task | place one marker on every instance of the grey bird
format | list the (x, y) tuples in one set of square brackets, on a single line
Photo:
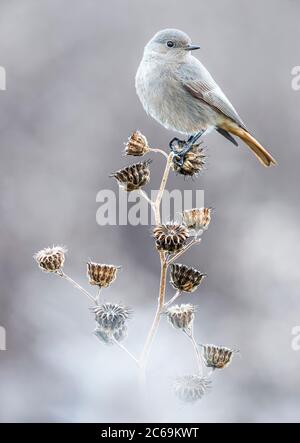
[(178, 92)]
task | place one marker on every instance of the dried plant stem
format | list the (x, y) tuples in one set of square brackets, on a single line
[(76, 285), (163, 272), (159, 311), (191, 337), (161, 151), (98, 297), (148, 199), (126, 350), (177, 294), (186, 248), (162, 188)]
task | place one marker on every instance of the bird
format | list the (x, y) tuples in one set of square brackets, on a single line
[(177, 90)]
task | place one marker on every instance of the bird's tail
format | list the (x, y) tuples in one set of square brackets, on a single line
[(261, 153)]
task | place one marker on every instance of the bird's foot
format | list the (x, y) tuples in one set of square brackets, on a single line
[(181, 147)]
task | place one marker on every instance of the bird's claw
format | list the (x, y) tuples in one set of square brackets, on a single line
[(180, 148)]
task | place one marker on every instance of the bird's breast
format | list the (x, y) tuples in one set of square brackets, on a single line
[(166, 100)]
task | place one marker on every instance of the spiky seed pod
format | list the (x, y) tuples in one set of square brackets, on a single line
[(133, 177), (181, 316), (190, 388), (51, 259), (111, 317), (101, 275), (217, 357), (108, 337), (170, 237), (137, 144), (185, 279), (197, 219), (193, 163)]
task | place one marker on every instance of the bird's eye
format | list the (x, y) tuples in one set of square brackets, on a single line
[(170, 44)]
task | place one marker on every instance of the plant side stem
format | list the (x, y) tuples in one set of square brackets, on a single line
[(186, 248), (178, 293), (159, 310), (197, 352), (127, 352), (160, 151), (76, 285)]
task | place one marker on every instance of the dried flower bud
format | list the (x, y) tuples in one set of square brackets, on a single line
[(51, 259), (190, 388), (217, 357), (108, 337), (193, 163), (136, 145), (111, 317), (181, 317), (197, 219), (133, 177), (101, 275), (170, 237), (185, 279)]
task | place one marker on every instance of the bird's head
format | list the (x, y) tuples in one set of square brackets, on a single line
[(171, 44)]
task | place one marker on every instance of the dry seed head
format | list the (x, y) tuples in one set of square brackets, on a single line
[(108, 337), (51, 259), (194, 161), (170, 237), (217, 357), (137, 144), (197, 219), (111, 317), (181, 317), (133, 177), (190, 388), (101, 275), (185, 279)]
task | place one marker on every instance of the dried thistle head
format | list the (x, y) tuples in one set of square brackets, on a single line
[(108, 337), (181, 316), (197, 219), (133, 177), (217, 357), (170, 237), (193, 163), (190, 388), (137, 144), (111, 317), (51, 259), (101, 275), (185, 279)]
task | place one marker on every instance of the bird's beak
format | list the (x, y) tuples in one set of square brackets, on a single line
[(191, 47)]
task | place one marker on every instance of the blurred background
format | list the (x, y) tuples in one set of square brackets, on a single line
[(70, 104)]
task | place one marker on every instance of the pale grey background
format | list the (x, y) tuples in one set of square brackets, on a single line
[(70, 104)]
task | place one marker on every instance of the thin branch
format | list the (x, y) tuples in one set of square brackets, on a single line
[(159, 311), (98, 297), (76, 285), (126, 350), (186, 248), (166, 305), (148, 199), (196, 349), (162, 188), (160, 151)]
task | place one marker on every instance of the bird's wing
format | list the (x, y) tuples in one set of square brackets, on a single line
[(200, 84)]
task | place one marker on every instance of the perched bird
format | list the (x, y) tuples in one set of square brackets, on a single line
[(178, 91)]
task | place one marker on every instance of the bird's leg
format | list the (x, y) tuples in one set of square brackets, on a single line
[(185, 145)]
